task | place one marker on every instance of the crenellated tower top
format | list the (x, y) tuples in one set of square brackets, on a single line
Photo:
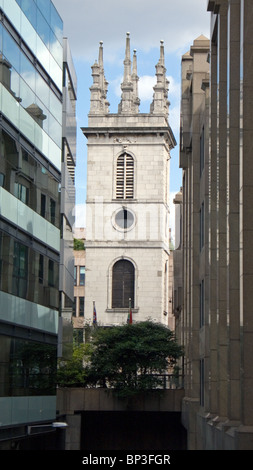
[(129, 104)]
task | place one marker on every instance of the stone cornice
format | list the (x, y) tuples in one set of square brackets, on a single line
[(131, 130)]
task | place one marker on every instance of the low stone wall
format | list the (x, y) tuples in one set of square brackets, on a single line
[(70, 400)]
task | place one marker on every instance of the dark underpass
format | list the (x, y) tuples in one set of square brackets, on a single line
[(132, 430)]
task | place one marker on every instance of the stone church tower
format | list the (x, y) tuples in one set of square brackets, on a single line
[(127, 224)]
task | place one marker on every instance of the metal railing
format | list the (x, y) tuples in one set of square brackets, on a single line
[(170, 381)]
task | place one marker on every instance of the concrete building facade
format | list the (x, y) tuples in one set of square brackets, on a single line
[(127, 227), (216, 321), (192, 207)]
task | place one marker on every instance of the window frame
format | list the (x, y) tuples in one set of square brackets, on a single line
[(120, 293), (125, 173), (81, 276)]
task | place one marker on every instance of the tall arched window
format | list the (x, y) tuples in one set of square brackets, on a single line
[(122, 284), (125, 177)]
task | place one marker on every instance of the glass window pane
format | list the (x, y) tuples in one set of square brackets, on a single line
[(11, 50), (27, 95), (55, 130), (43, 205), (74, 307), (28, 32), (52, 211), (20, 270), (44, 121), (29, 9), (15, 84), (82, 276), (1, 37), (45, 7), (27, 71), (29, 366), (56, 23), (50, 273), (56, 49), (13, 11), (81, 306), (41, 269), (43, 28), (43, 54), (42, 90), (55, 72), (55, 107)]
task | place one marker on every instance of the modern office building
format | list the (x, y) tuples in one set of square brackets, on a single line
[(217, 225), (78, 319), (33, 217), (127, 225), (67, 209)]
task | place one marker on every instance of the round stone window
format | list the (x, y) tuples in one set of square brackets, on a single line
[(124, 219)]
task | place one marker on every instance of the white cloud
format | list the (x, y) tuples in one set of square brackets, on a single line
[(80, 215), (115, 85), (174, 88), (174, 118), (145, 87), (88, 22)]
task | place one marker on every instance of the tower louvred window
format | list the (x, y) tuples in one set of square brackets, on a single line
[(125, 177)]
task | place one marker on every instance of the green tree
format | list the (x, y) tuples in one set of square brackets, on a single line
[(78, 244), (72, 373), (127, 358)]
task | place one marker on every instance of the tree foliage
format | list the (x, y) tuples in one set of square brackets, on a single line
[(128, 358), (78, 244), (72, 373)]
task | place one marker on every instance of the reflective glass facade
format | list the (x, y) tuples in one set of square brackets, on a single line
[(27, 272), (40, 27), (31, 100), (33, 184), (20, 77), (28, 368)]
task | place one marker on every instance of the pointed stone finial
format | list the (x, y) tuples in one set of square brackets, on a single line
[(129, 98), (135, 79), (104, 83), (127, 61), (100, 55), (162, 52), (160, 104), (98, 101), (134, 73)]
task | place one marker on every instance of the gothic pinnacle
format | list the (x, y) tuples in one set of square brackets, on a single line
[(127, 61), (162, 52), (160, 104), (98, 101)]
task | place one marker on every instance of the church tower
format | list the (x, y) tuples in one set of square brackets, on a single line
[(127, 207)]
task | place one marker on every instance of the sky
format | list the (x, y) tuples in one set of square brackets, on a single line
[(87, 22)]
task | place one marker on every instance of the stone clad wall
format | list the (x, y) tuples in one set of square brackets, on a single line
[(72, 401)]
